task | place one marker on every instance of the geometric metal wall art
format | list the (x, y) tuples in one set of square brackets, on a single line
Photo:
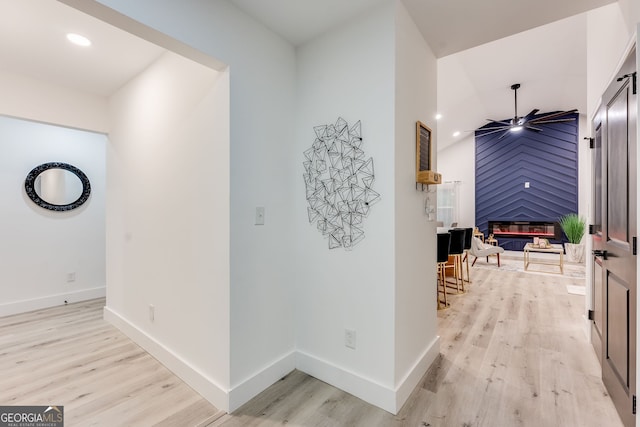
[(338, 180)]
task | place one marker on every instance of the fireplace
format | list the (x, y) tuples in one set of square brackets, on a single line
[(521, 229)]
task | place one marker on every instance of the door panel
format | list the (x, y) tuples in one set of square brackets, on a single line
[(597, 180), (613, 328), (596, 327), (618, 328), (618, 169), (597, 293)]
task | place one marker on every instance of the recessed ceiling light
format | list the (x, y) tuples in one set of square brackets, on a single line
[(438, 116), (79, 40), (456, 133)]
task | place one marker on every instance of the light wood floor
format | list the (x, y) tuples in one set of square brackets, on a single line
[(513, 353), (69, 356)]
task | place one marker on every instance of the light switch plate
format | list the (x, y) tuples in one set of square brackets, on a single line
[(259, 215)]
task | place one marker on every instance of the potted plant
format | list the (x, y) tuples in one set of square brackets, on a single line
[(574, 227)]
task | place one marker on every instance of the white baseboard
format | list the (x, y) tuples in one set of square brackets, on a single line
[(586, 324), (366, 389), (387, 398), (415, 374), (249, 388), (199, 381), (24, 306)]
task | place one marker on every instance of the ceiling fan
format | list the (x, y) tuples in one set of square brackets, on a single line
[(530, 121)]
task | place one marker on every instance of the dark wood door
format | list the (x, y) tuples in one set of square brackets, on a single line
[(596, 295), (614, 324)]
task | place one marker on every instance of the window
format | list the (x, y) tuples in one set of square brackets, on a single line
[(448, 203)]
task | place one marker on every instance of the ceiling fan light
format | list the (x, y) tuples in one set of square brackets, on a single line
[(530, 121)]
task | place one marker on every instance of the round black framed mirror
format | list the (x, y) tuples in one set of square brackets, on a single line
[(57, 186)]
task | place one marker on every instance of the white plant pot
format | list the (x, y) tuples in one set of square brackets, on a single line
[(575, 252)]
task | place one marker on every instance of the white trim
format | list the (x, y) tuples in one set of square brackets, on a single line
[(199, 381), (366, 389), (24, 306), (413, 377), (384, 397), (586, 324), (249, 388), (391, 400), (113, 17)]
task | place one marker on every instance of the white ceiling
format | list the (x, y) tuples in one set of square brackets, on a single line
[(549, 62), (473, 85), (546, 52), (33, 43), (299, 21), (449, 26)]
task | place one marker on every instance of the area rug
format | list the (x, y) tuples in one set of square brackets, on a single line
[(514, 262)]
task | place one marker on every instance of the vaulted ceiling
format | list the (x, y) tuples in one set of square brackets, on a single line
[(548, 61), (479, 62), (448, 26)]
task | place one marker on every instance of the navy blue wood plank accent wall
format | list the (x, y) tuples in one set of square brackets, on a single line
[(547, 160)]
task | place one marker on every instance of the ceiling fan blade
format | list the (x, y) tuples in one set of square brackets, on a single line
[(492, 128), (493, 131), (542, 122), (504, 134), (506, 122), (554, 115), (531, 114), (528, 126)]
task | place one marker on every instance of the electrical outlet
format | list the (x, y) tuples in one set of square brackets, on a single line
[(152, 313), (350, 338), (259, 215), (71, 277)]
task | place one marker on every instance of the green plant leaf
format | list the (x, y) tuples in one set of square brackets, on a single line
[(573, 226)]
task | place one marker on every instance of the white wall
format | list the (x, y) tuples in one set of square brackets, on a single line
[(28, 98), (224, 300), (262, 79), (384, 287), (349, 73), (415, 238), (41, 247), (168, 216), (276, 269), (607, 38), (631, 12), (457, 162)]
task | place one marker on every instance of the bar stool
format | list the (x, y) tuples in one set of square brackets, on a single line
[(468, 236), (442, 258), (456, 249)]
